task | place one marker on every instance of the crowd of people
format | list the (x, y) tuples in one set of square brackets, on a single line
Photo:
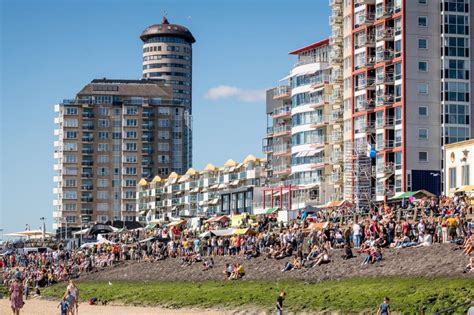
[(297, 244)]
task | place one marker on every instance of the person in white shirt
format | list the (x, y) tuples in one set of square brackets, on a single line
[(356, 234)]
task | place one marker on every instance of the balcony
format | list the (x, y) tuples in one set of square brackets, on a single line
[(318, 100), (282, 91), (366, 85), (281, 169), (365, 20), (336, 16), (363, 2), (147, 138), (269, 131), (365, 62), (304, 60), (384, 145), (147, 151), (281, 130), (336, 177), (148, 114), (385, 34), (385, 168), (282, 149), (316, 180), (336, 137), (87, 199), (88, 126), (384, 123), (384, 55), (281, 112), (364, 105), (364, 129), (87, 151), (384, 100), (385, 78), (365, 41), (335, 56), (384, 190), (147, 126), (336, 117), (335, 2), (88, 115), (87, 175), (384, 11), (267, 149), (87, 139), (87, 163), (336, 157), (87, 187), (147, 163)]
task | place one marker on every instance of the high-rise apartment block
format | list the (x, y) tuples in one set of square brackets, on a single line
[(115, 132), (396, 87), (112, 134), (167, 55)]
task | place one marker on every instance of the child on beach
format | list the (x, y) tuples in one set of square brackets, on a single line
[(63, 306)]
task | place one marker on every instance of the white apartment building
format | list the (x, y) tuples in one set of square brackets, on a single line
[(227, 190)]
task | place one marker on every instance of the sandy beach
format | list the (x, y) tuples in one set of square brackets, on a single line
[(46, 307)]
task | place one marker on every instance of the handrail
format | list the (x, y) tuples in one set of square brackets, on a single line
[(452, 308)]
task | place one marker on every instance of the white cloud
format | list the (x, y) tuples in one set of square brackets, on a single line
[(243, 95)]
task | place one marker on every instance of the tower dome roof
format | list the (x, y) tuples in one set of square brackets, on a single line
[(167, 29)]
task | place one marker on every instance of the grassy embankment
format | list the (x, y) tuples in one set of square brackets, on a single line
[(408, 295)]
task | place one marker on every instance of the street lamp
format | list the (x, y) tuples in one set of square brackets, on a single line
[(44, 227)]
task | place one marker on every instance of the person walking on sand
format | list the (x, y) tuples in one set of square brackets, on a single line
[(16, 296), (279, 303), (74, 291), (384, 308)]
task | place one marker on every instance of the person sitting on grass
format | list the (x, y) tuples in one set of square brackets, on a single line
[(208, 264), (347, 252), (238, 272), (322, 258), (384, 308), (470, 266), (227, 271)]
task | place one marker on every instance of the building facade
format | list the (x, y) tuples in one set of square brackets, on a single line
[(113, 133), (395, 89), (167, 55), (406, 91), (226, 190), (459, 174)]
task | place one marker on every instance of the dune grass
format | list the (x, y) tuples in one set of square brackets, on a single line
[(408, 295)]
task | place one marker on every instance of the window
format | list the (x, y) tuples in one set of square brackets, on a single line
[(422, 1), (71, 123), (422, 88), (423, 134), (456, 46), (103, 135), (422, 21), (452, 177), (103, 171), (398, 138), (422, 43), (70, 146), (69, 207), (398, 115), (71, 135), (70, 111), (423, 111), (456, 24), (423, 66), (70, 195), (465, 175), (423, 156), (103, 111), (103, 147), (102, 183), (456, 69), (70, 158), (456, 91), (70, 183), (103, 195), (103, 123)]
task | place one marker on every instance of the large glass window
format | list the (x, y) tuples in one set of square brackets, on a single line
[(452, 177), (456, 24), (456, 46), (456, 91)]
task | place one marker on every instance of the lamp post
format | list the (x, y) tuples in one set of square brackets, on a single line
[(44, 227)]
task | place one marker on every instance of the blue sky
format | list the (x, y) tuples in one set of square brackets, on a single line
[(50, 49)]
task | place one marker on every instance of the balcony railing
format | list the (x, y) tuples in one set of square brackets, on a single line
[(303, 60), (281, 129), (384, 55), (366, 19), (385, 78), (363, 41), (282, 91), (384, 11), (385, 168), (364, 105), (269, 130), (385, 34), (281, 169), (282, 111), (383, 123), (282, 148), (385, 100), (267, 148), (384, 145)]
